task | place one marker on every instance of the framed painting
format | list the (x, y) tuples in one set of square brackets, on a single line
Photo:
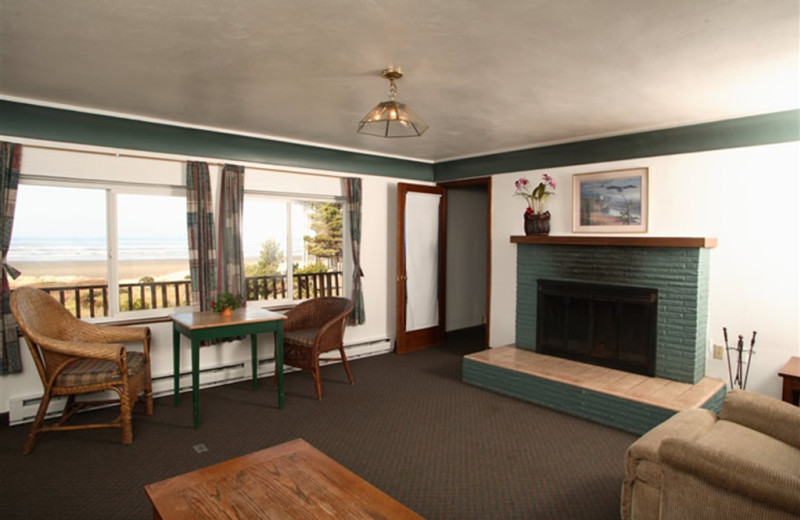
[(610, 202)]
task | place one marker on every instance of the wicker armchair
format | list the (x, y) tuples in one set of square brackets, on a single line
[(315, 327), (74, 357)]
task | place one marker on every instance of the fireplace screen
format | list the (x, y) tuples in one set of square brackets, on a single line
[(607, 325)]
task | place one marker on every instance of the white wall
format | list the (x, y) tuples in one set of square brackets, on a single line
[(377, 255), (749, 198)]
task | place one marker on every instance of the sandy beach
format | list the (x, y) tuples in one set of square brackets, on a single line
[(73, 272)]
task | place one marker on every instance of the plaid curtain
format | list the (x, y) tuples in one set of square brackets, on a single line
[(200, 223), (231, 256), (352, 187), (10, 157)]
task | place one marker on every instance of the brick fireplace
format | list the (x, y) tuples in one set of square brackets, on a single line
[(675, 274), (678, 268)]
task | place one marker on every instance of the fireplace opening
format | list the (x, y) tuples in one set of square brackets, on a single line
[(607, 325)]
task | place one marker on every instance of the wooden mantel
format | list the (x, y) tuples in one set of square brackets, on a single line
[(632, 241)]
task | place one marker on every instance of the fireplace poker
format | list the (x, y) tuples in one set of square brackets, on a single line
[(728, 354), (739, 349), (749, 357)]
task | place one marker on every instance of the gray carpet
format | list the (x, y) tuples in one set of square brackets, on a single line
[(409, 426)]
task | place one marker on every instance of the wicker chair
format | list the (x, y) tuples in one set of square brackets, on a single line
[(74, 357), (315, 327)]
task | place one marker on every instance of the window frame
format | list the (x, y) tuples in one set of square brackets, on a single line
[(112, 190), (302, 198)]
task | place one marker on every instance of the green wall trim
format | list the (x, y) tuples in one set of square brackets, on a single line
[(777, 127), (53, 124)]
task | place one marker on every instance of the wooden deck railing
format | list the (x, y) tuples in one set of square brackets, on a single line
[(93, 299), (312, 285)]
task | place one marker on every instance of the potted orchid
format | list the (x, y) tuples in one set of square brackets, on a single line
[(537, 220)]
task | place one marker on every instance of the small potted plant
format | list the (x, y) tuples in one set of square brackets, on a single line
[(227, 303)]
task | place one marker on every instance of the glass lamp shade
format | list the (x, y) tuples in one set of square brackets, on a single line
[(392, 119)]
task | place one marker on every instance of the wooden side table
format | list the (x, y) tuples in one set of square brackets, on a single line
[(791, 381), (208, 325)]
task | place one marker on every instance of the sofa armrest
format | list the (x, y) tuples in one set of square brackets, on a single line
[(688, 424), (764, 414), (642, 483), (697, 477)]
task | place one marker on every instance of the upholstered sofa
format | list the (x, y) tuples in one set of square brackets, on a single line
[(744, 463)]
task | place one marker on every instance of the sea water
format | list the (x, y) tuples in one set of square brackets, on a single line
[(71, 249)]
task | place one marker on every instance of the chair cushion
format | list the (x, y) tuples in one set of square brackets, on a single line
[(302, 338), (96, 371)]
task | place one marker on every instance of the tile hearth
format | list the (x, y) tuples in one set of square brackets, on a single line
[(631, 402)]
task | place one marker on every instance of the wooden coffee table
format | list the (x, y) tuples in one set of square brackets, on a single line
[(291, 480)]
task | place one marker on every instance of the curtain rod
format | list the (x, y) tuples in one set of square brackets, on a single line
[(144, 155)]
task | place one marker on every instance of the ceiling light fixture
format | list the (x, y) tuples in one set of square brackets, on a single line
[(390, 118)]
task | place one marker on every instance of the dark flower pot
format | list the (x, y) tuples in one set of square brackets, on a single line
[(537, 223)]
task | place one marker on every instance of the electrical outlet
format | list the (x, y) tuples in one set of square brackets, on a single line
[(719, 350)]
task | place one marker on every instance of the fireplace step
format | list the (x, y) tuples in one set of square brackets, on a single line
[(623, 400)]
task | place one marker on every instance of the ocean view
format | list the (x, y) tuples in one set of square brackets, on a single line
[(58, 260), (59, 249)]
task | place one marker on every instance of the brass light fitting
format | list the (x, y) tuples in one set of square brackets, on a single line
[(392, 118)]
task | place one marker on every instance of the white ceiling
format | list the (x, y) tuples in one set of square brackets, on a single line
[(486, 76)]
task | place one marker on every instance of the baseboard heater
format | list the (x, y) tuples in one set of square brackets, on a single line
[(23, 409)]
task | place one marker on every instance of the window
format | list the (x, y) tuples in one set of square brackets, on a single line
[(109, 250), (292, 248), (102, 251), (153, 258)]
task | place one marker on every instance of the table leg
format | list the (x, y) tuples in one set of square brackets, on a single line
[(176, 362), (279, 362), (196, 382), (254, 347)]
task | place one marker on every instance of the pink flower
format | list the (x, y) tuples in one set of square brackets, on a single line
[(529, 210), (537, 196)]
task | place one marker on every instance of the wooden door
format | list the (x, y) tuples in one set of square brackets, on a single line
[(420, 266)]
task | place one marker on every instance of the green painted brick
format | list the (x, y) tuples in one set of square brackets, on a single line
[(680, 275), (715, 403)]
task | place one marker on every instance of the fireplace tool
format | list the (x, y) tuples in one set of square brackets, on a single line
[(742, 369)]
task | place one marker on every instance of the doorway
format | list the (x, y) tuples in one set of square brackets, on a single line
[(468, 244), (460, 270)]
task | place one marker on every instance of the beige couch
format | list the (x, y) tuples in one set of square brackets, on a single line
[(742, 464)]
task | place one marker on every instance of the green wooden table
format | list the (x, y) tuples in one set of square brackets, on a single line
[(208, 325)]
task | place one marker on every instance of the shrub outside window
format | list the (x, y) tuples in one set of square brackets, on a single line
[(292, 248)]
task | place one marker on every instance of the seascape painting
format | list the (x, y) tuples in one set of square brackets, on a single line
[(610, 201)]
